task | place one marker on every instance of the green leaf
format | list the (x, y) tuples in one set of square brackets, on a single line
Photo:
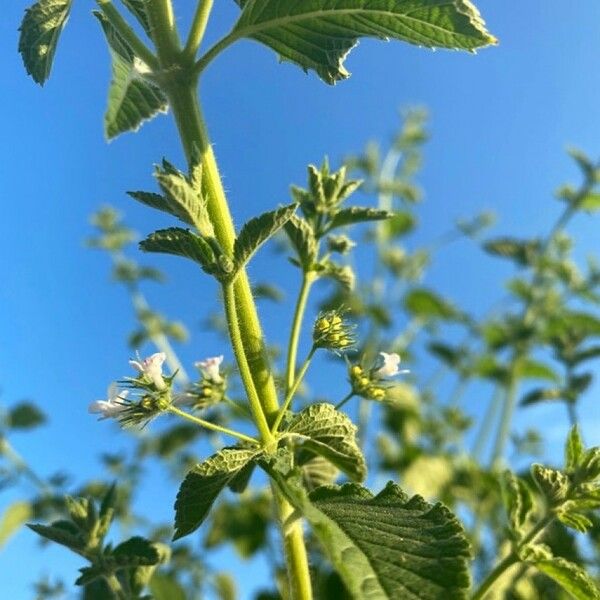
[(25, 416), (302, 239), (135, 552), (62, 532), (257, 231), (225, 586), (343, 274), (386, 546), (523, 252), (542, 395), (552, 483), (591, 202), (204, 483), (166, 587), (332, 435), (424, 303), (317, 471), (180, 242), (138, 9), (399, 224), (185, 199), (319, 34), (40, 29), (13, 518), (533, 369), (357, 214), (574, 449), (153, 201), (571, 577), (518, 501), (132, 97)]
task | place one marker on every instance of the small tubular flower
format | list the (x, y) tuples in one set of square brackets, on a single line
[(370, 383), (151, 368), (386, 366), (209, 367), (112, 407)]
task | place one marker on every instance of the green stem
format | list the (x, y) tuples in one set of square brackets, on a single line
[(211, 426), (508, 409), (212, 52), (164, 31), (307, 280), (511, 559), (291, 392), (344, 400), (186, 110), (128, 34), (197, 30), (115, 586), (486, 424), (243, 365)]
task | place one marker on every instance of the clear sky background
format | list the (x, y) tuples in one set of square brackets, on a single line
[(501, 120)]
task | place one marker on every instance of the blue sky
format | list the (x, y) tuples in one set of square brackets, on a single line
[(500, 121)]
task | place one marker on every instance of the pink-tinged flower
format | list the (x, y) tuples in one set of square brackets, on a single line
[(387, 366), (209, 368), (111, 407), (151, 367)]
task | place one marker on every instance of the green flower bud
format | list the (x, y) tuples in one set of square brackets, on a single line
[(330, 331)]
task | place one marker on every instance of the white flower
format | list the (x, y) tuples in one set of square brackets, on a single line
[(209, 368), (111, 407), (151, 367), (387, 366)]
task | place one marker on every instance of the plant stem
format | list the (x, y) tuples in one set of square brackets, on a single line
[(290, 394), (212, 52), (164, 31), (115, 586), (243, 365), (508, 409), (211, 426), (186, 110), (197, 30), (307, 280), (488, 421), (511, 559), (344, 400), (118, 22)]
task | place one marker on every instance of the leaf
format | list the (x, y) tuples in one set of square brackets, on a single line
[(591, 202), (135, 552), (153, 201), (357, 214), (399, 224), (518, 501), (132, 98), (40, 29), (571, 577), (574, 449), (332, 435), (166, 587), (523, 252), (25, 416), (62, 532), (303, 240), (185, 200), (424, 303), (204, 483), (533, 369), (343, 274), (225, 586), (257, 231), (319, 34), (553, 484), (180, 242), (542, 395), (13, 518), (386, 546), (138, 9), (317, 471)]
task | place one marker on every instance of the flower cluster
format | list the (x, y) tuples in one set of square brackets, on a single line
[(330, 331), (153, 394), (212, 386), (371, 383)]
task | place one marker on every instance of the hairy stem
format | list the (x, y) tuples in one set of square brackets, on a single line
[(508, 409), (211, 426), (290, 374), (293, 389), (197, 30), (511, 559), (344, 400), (243, 365)]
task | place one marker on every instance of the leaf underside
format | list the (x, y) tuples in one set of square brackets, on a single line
[(41, 27), (319, 34)]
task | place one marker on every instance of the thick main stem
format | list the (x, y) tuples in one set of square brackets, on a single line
[(184, 103)]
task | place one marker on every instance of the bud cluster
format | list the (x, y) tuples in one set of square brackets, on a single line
[(330, 331), (370, 383), (212, 386)]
